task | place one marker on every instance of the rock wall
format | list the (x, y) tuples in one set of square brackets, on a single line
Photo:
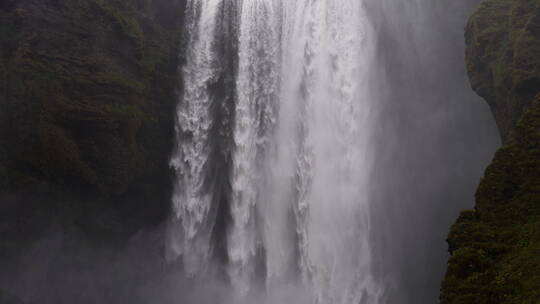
[(495, 248), (503, 43), (87, 98)]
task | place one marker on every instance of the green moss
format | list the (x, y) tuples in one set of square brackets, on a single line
[(124, 19), (118, 80), (122, 112), (495, 249), (151, 59), (88, 107), (502, 57)]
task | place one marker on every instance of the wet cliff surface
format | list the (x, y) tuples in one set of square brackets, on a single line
[(503, 43), (495, 247), (87, 93)]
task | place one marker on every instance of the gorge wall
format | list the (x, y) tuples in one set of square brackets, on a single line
[(494, 248), (87, 99), (87, 94)]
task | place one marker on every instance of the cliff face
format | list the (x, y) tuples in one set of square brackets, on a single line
[(87, 97), (503, 43), (495, 248)]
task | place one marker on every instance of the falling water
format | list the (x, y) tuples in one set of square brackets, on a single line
[(327, 53), (192, 200), (258, 89), (299, 201)]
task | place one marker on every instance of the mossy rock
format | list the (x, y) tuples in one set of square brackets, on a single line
[(503, 44), (495, 249), (87, 99)]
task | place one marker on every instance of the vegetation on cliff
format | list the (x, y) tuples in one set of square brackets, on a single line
[(87, 96), (503, 43), (495, 248)]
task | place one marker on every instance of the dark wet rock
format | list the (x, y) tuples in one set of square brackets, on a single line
[(503, 43), (495, 248), (87, 98)]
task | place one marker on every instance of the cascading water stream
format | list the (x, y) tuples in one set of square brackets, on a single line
[(192, 223), (299, 202), (257, 98), (329, 63)]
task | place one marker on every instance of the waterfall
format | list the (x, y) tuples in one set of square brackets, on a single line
[(192, 197), (257, 100), (328, 55), (299, 201)]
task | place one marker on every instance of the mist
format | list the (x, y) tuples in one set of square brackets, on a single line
[(434, 138), (428, 138)]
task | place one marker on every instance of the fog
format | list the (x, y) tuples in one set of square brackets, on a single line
[(431, 138), (434, 139)]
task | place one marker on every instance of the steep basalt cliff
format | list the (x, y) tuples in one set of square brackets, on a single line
[(495, 248), (87, 96)]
